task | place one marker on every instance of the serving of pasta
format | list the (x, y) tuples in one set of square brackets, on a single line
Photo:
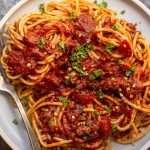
[(82, 73)]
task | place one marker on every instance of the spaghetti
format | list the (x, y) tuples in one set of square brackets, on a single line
[(84, 74)]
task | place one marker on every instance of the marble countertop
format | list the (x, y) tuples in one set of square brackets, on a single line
[(5, 5)]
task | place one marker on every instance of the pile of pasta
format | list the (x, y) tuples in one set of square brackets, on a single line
[(39, 42)]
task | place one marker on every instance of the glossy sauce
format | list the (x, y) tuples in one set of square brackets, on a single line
[(75, 76)]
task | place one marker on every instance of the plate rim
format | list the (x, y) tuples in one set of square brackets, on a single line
[(4, 20)]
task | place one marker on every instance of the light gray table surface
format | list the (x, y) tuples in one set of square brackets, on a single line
[(5, 5)]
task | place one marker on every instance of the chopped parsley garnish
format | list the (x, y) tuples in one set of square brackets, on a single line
[(122, 12), (52, 121), (109, 48), (15, 121), (86, 137), (41, 8), (78, 87), (25, 100), (95, 113), (75, 66), (92, 77), (64, 100), (95, 17), (96, 74), (82, 51), (100, 94), (114, 128), (116, 28), (72, 16), (41, 43), (62, 45), (74, 57), (82, 118), (95, 1), (70, 78), (91, 30), (130, 71), (121, 62), (102, 4), (108, 109)]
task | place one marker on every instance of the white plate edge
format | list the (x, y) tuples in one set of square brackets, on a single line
[(7, 140), (4, 20)]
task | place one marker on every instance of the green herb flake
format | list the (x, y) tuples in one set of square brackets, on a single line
[(91, 30), (41, 43), (116, 28), (52, 121), (62, 45), (78, 87), (108, 109), (109, 48), (114, 128), (97, 73), (86, 137), (82, 51), (104, 4), (100, 94), (25, 100), (95, 1), (64, 100), (75, 66), (72, 16), (95, 113), (95, 17), (15, 121), (121, 62), (92, 77), (41, 8), (82, 118), (122, 12), (74, 57), (70, 78), (130, 71)]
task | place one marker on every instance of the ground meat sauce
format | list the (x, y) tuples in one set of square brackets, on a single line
[(81, 128), (21, 64), (84, 78)]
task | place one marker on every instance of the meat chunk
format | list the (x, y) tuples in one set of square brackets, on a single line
[(53, 79), (50, 82), (83, 130), (31, 38), (18, 63), (83, 96), (105, 126), (86, 23)]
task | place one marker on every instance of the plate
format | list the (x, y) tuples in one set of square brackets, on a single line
[(15, 135)]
